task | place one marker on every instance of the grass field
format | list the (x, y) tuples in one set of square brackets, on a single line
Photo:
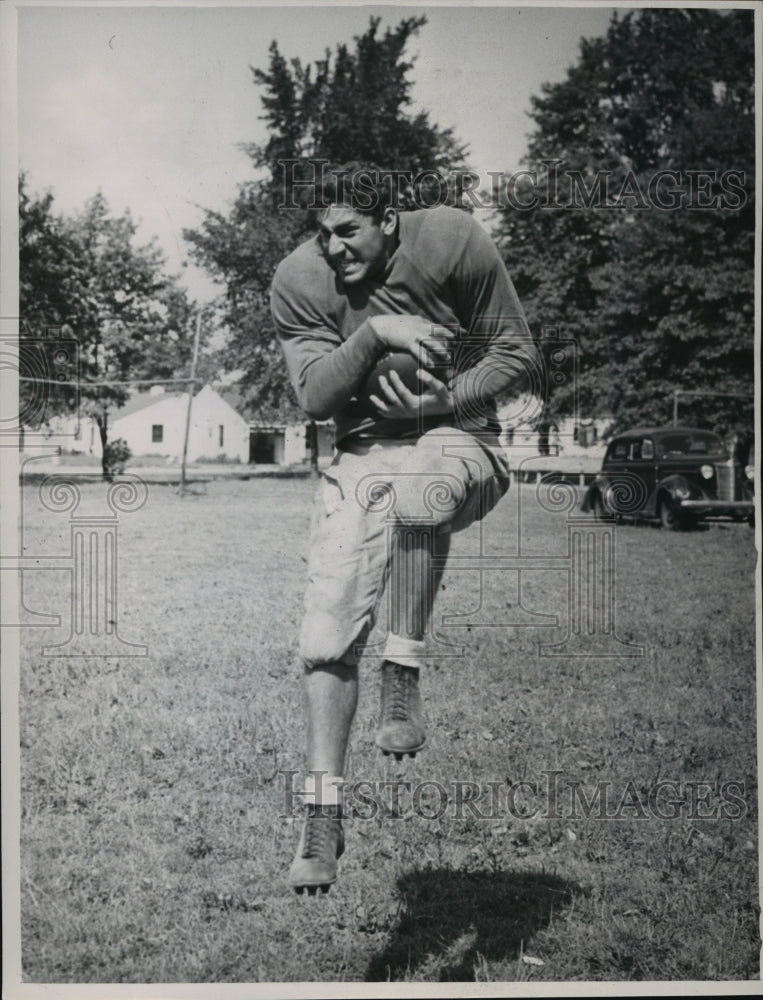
[(156, 831)]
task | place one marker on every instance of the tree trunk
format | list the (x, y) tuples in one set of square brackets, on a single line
[(311, 441), (102, 419)]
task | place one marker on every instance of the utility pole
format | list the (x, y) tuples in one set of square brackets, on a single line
[(191, 387)]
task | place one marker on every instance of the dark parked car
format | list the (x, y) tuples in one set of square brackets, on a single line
[(679, 475)]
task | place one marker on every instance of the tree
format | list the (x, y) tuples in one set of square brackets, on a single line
[(640, 241), (85, 275), (350, 106), (47, 307)]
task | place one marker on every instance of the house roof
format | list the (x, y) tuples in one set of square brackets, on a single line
[(143, 400), (233, 398)]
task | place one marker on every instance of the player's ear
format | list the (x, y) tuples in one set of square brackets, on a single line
[(389, 221)]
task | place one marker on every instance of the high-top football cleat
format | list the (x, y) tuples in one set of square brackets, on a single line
[(321, 844), (401, 725)]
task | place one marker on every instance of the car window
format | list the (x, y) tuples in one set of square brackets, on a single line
[(618, 451), (689, 443), (640, 450)]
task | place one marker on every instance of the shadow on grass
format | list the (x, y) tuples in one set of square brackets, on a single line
[(450, 916)]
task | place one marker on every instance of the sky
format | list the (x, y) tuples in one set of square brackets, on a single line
[(151, 104)]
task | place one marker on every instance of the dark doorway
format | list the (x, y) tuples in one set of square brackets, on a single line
[(262, 447)]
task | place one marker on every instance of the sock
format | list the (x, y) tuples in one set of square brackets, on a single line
[(324, 790), (406, 652)]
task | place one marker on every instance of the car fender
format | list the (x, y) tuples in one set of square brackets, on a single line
[(677, 487)]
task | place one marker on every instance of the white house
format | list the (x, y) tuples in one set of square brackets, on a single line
[(153, 423)]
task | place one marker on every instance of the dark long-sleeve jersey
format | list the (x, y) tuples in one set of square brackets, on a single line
[(445, 269)]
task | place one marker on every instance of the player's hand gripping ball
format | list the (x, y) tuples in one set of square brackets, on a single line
[(406, 366), (402, 362)]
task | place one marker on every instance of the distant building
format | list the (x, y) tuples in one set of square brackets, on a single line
[(281, 442), (153, 423), (286, 444)]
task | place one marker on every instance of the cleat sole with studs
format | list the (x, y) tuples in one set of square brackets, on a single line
[(311, 890), (399, 754)]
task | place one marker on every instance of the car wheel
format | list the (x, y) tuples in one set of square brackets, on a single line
[(670, 517)]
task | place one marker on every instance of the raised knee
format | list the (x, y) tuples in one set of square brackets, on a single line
[(427, 500), (325, 638)]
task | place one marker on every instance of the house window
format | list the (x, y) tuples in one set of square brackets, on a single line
[(222, 435), (157, 433)]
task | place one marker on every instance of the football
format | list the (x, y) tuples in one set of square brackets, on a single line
[(402, 362), (406, 366)]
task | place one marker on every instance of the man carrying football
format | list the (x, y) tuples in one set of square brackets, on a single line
[(413, 462)]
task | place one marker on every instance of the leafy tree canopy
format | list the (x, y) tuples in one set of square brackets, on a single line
[(633, 230), (83, 280)]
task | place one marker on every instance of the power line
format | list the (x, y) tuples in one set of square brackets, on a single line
[(677, 393), (731, 395), (134, 381)]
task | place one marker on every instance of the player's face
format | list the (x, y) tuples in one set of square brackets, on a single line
[(357, 246)]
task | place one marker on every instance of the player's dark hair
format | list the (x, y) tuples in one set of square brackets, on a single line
[(366, 188)]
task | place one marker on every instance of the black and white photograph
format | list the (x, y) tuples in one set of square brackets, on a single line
[(379, 565)]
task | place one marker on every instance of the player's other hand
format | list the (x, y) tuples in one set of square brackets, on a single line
[(425, 340), (399, 403)]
